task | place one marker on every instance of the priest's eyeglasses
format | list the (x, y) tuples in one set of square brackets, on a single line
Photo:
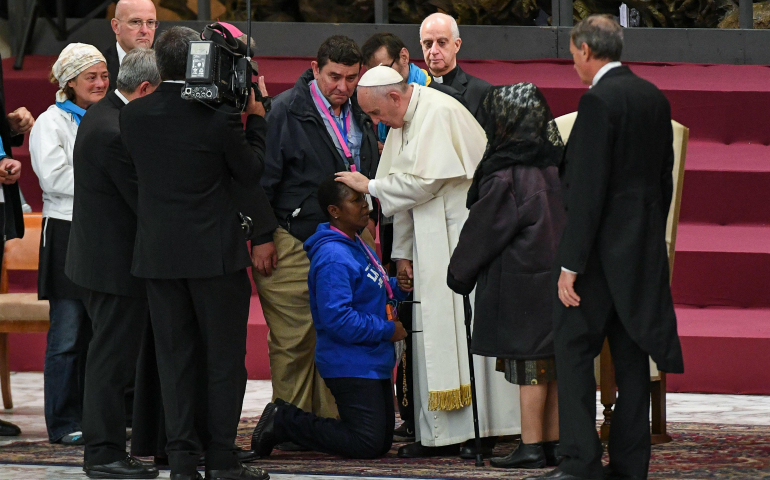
[(136, 23)]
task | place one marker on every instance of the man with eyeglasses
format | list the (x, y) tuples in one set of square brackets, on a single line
[(440, 41), (134, 25)]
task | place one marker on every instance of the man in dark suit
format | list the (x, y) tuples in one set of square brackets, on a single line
[(12, 129), (193, 253), (99, 256), (440, 40), (614, 275), (134, 25)]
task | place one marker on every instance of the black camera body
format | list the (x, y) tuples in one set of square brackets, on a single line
[(218, 69)]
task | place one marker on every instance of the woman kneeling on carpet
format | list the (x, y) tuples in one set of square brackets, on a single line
[(354, 351), (506, 250)]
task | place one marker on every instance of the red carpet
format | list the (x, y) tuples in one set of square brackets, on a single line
[(723, 250)]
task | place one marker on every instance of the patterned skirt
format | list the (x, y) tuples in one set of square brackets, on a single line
[(528, 372)]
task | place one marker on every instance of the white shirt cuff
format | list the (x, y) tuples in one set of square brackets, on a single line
[(568, 271), (373, 188)]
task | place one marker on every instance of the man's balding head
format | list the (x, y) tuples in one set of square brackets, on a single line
[(127, 14), (387, 103), (594, 42), (440, 40)]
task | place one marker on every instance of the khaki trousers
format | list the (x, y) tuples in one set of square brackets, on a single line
[(291, 342)]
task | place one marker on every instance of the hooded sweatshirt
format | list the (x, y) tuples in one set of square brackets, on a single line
[(347, 300)]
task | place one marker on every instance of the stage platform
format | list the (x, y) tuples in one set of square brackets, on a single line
[(723, 250)]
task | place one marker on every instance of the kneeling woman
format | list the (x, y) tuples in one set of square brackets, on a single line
[(354, 352)]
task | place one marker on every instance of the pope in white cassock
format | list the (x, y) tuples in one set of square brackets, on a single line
[(426, 168)]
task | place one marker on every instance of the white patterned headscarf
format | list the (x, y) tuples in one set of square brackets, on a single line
[(72, 61)]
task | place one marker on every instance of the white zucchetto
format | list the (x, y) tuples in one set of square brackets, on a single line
[(380, 76)]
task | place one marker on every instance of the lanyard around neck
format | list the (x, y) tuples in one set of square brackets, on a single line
[(371, 259), (341, 136)]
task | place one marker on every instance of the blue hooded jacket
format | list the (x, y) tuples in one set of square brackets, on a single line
[(347, 299)]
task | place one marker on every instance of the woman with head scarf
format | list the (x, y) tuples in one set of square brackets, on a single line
[(81, 73), (506, 251)]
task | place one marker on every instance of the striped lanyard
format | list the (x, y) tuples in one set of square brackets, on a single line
[(372, 260), (341, 136)]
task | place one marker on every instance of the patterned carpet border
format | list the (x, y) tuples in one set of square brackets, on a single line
[(698, 451)]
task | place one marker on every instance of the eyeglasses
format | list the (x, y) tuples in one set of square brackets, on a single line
[(136, 24)]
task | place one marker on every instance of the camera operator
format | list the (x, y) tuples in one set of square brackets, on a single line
[(191, 250), (99, 254)]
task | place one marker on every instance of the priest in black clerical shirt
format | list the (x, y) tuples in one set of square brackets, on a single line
[(440, 40)]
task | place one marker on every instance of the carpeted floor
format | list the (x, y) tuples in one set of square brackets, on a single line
[(699, 451)]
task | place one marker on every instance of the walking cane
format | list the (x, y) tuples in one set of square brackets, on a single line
[(468, 318)]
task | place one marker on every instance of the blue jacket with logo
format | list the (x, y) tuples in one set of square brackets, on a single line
[(347, 299)]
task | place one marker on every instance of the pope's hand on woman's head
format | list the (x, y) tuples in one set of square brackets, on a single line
[(354, 180)]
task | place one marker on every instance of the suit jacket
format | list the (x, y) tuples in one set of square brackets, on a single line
[(618, 185), (187, 157), (113, 64), (472, 89), (101, 242), (14, 218)]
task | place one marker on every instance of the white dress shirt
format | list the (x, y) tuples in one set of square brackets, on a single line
[(121, 53)]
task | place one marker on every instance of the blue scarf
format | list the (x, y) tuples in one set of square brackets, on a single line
[(69, 107), (416, 75)]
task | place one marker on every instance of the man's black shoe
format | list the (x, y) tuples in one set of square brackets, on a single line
[(182, 476), (552, 456), (526, 455), (417, 450), (242, 472), (291, 447), (7, 429), (468, 449), (555, 474), (245, 456), (129, 467), (404, 433), (263, 439)]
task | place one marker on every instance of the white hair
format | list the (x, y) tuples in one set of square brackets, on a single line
[(452, 24)]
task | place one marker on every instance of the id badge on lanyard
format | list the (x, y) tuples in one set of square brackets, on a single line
[(342, 137)]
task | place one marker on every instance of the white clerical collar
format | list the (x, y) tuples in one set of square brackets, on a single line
[(121, 96), (121, 53), (606, 68), (173, 81), (412, 107)]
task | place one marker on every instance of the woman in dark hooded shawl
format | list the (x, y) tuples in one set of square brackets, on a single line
[(506, 251)]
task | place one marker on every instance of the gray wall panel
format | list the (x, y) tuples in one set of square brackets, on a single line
[(480, 42)]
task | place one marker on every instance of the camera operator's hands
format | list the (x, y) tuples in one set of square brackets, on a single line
[(264, 258), (254, 107), (399, 333), (10, 171)]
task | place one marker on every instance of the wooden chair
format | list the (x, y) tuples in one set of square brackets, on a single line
[(20, 312), (605, 372)]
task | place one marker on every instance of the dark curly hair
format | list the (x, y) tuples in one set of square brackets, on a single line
[(331, 192), (339, 49)]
